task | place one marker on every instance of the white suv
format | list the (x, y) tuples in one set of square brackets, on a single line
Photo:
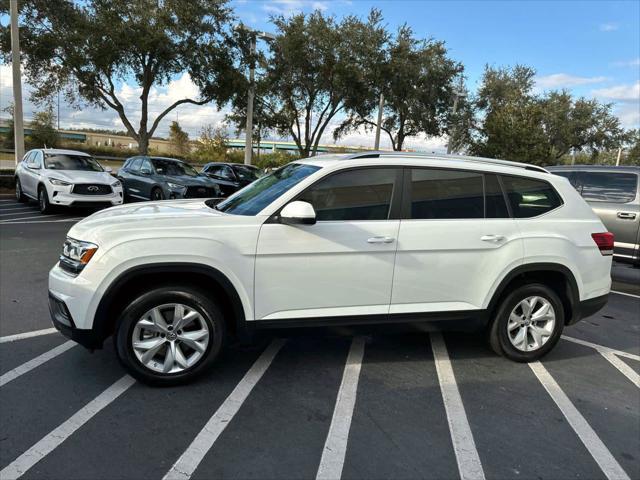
[(57, 177), (335, 240)]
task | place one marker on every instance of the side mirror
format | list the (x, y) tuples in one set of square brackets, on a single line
[(145, 171), (108, 169), (298, 213)]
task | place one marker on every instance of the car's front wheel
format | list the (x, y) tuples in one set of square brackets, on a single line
[(169, 335), (528, 323), (43, 201), (20, 196)]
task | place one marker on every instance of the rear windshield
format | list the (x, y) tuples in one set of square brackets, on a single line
[(58, 161), (246, 173)]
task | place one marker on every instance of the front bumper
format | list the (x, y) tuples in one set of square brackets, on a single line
[(63, 322), (64, 196)]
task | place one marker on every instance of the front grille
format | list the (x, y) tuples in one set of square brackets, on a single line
[(91, 189), (199, 192)]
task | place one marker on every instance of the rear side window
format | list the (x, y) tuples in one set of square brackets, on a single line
[(363, 194), (446, 194), (609, 186), (529, 197)]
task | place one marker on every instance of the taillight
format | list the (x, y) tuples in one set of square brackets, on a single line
[(604, 241)]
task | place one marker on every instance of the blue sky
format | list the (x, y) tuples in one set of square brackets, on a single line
[(591, 48)]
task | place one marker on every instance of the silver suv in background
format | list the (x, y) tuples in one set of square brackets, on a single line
[(613, 193)]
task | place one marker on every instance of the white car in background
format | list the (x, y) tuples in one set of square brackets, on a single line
[(67, 178)]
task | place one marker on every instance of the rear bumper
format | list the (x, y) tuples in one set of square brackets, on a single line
[(63, 322), (589, 307)]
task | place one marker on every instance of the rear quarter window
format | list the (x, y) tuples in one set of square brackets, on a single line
[(529, 197)]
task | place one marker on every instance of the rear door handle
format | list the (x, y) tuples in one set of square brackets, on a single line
[(493, 238), (627, 215), (380, 239)]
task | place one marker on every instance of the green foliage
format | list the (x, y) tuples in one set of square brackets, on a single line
[(90, 47), (519, 125), (178, 139), (43, 130), (319, 66), (8, 139), (212, 144), (417, 79), (632, 142)]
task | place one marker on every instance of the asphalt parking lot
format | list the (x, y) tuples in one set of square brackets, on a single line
[(336, 403)]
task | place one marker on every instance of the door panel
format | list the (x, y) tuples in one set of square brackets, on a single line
[(326, 269), (447, 265)]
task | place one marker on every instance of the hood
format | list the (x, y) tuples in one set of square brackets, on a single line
[(81, 176), (145, 215)]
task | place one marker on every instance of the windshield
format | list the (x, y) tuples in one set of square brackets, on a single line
[(170, 167), (246, 173), (253, 198), (58, 161)]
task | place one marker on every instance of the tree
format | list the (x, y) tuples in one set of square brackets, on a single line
[(179, 139), (318, 68), (517, 124), (213, 143), (8, 139), (417, 81), (43, 130), (632, 144), (92, 47)]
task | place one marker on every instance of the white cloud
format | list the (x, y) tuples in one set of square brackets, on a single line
[(629, 115), (287, 8), (628, 63), (564, 80), (619, 92), (609, 27)]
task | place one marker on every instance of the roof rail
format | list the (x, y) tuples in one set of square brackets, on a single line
[(492, 161)]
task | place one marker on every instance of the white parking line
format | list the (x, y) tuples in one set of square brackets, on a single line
[(625, 294), (464, 446), (29, 218), (624, 369), (8, 208), (600, 453), (21, 336), (335, 446), (19, 221), (16, 213), (51, 441), (36, 362), (602, 348), (193, 455)]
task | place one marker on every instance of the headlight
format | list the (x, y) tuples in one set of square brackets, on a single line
[(76, 254), (59, 183), (116, 184), (175, 186)]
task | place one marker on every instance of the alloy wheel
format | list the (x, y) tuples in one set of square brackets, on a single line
[(531, 323), (170, 338)]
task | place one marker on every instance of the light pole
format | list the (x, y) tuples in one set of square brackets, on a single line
[(459, 93), (248, 141), (380, 108), (18, 120)]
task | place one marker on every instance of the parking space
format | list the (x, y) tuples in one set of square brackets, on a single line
[(365, 403), (12, 212)]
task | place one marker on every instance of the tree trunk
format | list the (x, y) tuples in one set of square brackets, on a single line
[(143, 144)]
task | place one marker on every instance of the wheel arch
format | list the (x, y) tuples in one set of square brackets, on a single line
[(555, 275), (135, 280)]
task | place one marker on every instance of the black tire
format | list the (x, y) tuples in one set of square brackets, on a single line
[(157, 194), (20, 196), (498, 332), (192, 298), (43, 201)]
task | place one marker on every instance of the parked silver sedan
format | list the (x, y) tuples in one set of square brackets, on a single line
[(613, 193)]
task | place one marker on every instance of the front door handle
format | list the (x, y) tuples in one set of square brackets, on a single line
[(380, 239), (627, 215), (493, 238)]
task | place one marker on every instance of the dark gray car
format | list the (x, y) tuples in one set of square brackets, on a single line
[(613, 193), (160, 178)]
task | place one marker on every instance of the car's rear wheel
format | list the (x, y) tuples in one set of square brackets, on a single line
[(157, 194), (169, 335), (43, 201), (20, 196), (528, 323)]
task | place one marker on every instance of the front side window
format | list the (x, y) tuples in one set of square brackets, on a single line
[(363, 194), (609, 186), (58, 161), (529, 197), (135, 165), (254, 198), (446, 194)]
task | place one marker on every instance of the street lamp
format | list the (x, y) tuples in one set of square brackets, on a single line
[(459, 93), (248, 142)]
